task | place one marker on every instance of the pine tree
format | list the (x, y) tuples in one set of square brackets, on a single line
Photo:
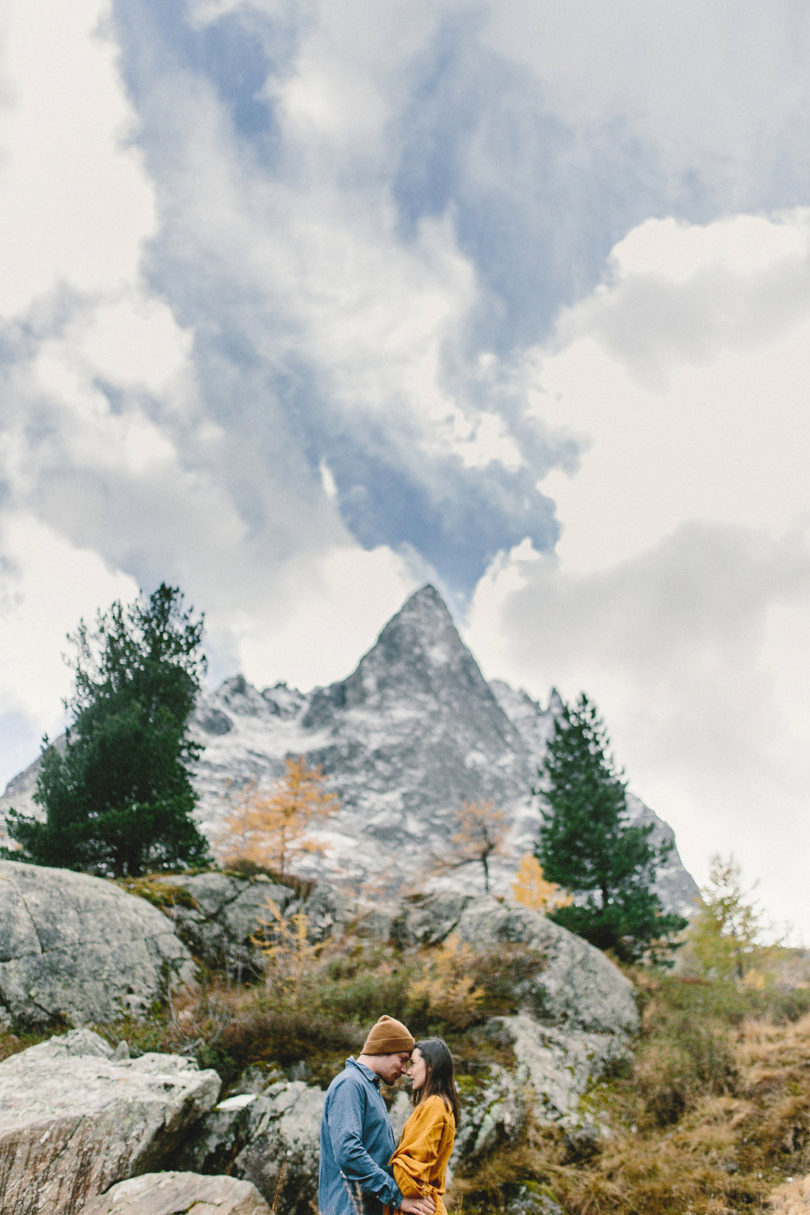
[(588, 845), (118, 797)]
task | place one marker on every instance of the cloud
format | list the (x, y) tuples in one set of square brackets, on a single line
[(715, 105), (689, 384), (36, 621), (302, 356), (76, 205), (686, 294), (679, 594)]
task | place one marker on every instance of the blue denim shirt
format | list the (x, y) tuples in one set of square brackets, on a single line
[(357, 1142)]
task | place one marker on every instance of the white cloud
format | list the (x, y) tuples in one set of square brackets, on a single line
[(48, 585), (680, 592), (716, 100), (694, 389), (327, 611), (75, 202), (134, 340)]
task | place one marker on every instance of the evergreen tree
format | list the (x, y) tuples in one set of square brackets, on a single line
[(118, 796), (588, 845)]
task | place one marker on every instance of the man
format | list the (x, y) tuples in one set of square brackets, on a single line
[(357, 1138)]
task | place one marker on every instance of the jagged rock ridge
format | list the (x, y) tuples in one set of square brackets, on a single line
[(409, 735)]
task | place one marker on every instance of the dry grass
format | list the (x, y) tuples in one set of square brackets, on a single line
[(792, 1198), (712, 1115)]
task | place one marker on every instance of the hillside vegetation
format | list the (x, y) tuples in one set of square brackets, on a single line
[(708, 1116)]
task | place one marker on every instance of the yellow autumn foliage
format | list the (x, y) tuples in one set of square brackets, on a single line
[(446, 985), (289, 953), (271, 827), (532, 889)]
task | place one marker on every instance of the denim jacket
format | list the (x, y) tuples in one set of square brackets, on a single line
[(357, 1142)]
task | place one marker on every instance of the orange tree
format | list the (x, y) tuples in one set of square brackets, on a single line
[(271, 826), (480, 836), (531, 888)]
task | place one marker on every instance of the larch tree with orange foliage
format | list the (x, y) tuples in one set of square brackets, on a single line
[(533, 890), (271, 827), (480, 836)]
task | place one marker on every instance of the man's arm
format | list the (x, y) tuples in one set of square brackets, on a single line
[(351, 1156)]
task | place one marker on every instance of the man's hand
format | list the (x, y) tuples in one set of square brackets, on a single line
[(418, 1206)]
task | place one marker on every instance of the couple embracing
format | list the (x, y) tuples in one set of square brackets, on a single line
[(362, 1170)]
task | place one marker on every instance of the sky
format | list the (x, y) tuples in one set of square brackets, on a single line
[(304, 305)]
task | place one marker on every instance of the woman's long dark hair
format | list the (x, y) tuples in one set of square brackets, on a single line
[(439, 1077)]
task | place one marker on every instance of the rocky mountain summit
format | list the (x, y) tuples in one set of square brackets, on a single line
[(410, 734)]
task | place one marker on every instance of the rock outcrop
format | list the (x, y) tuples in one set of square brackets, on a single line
[(76, 1117), (77, 949), (573, 983), (217, 914), (576, 1009), (179, 1194), (271, 1139)]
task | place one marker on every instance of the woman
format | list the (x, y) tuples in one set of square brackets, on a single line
[(420, 1161)]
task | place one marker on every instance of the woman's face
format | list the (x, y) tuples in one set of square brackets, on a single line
[(418, 1070)]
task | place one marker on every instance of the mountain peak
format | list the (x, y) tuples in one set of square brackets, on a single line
[(418, 659), (425, 601), (424, 619)]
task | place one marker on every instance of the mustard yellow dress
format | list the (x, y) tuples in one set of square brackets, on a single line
[(420, 1161)]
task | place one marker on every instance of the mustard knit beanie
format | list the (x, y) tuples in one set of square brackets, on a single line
[(387, 1037)]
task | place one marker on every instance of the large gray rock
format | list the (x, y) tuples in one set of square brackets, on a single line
[(179, 1194), (271, 1139), (217, 914), (576, 1011), (221, 1135), (281, 1158), (558, 1066), (75, 1117), (573, 984), (493, 1113), (78, 949)]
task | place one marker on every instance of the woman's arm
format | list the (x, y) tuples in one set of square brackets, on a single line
[(418, 1150)]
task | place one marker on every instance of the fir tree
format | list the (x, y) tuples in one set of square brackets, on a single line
[(118, 796), (588, 845)]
